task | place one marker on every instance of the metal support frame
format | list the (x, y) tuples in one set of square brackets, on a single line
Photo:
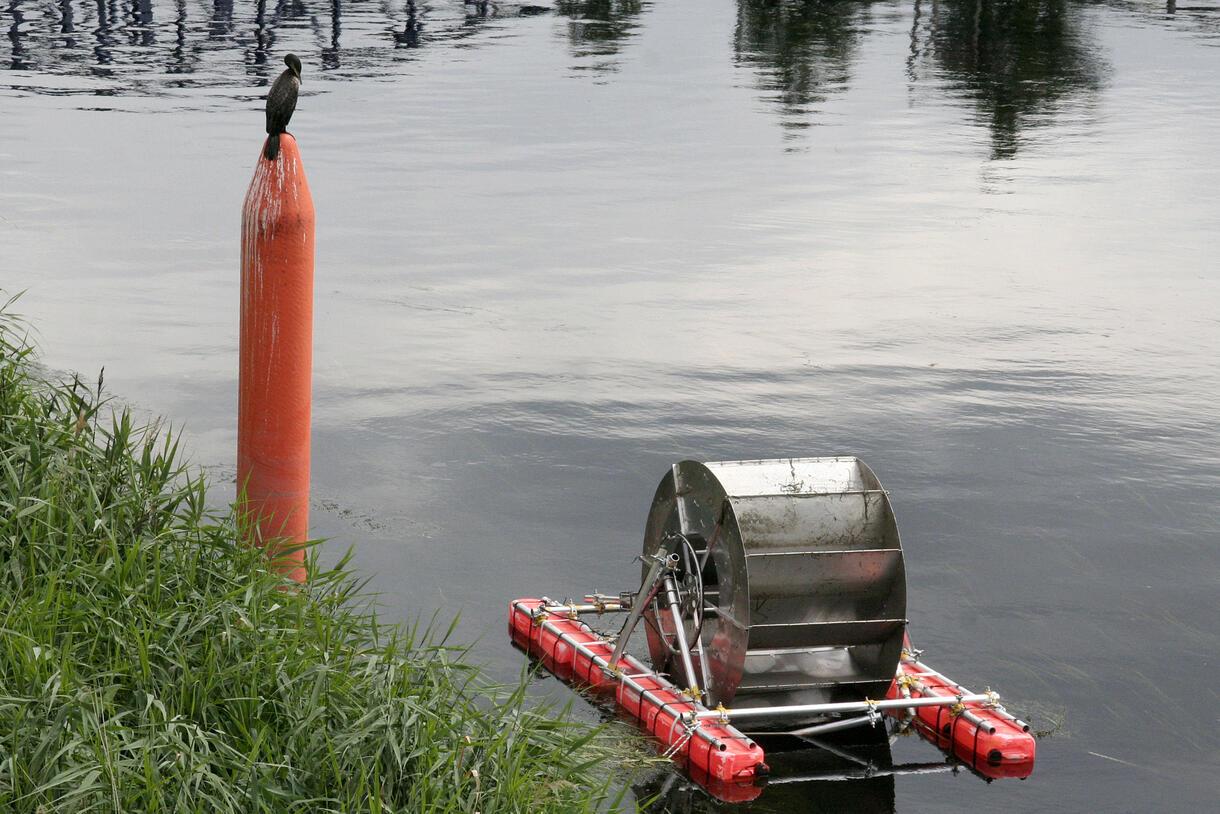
[(804, 710), (834, 726), (647, 591), (925, 670), (629, 681), (675, 610), (865, 773), (569, 608)]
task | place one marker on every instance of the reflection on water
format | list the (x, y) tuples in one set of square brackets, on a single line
[(854, 775), (408, 36), (598, 28), (1018, 61), (147, 41), (148, 46), (802, 50), (1194, 16), (17, 60)]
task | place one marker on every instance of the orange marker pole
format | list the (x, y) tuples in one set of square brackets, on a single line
[(274, 384)]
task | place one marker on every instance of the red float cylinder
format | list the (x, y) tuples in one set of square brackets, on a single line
[(276, 350)]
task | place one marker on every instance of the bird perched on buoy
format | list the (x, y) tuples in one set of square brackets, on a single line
[(281, 102)]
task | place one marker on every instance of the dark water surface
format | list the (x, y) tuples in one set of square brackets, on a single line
[(974, 243)]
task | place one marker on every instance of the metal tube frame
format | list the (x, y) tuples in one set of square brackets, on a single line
[(630, 682), (848, 706), (865, 773), (658, 578), (647, 592), (998, 709), (834, 726), (569, 608), (675, 610), (699, 712)]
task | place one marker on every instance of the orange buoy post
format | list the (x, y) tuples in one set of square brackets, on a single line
[(274, 386)]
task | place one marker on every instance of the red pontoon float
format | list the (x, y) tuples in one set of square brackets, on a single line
[(773, 597)]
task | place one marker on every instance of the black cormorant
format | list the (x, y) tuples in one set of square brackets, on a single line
[(281, 102)]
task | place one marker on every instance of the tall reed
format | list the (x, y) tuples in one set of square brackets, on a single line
[(150, 663)]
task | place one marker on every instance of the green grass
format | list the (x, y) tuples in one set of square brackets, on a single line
[(150, 663)]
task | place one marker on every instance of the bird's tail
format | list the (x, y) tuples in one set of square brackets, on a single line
[(273, 147)]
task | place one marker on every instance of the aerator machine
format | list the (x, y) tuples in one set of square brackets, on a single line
[(773, 600)]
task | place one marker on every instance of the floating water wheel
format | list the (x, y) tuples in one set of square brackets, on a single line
[(789, 580), (774, 598)]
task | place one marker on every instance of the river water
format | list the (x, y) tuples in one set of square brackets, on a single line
[(973, 242)]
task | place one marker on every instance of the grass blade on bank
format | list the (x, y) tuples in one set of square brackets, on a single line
[(150, 663)]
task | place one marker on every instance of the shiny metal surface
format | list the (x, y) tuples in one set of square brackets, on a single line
[(804, 582), (652, 573), (836, 708)]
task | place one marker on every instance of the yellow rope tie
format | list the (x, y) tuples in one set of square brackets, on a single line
[(907, 681), (724, 713), (957, 709)]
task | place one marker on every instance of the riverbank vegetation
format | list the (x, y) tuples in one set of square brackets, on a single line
[(148, 662)]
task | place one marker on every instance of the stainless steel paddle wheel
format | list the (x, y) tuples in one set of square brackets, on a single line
[(773, 597), (773, 583)]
